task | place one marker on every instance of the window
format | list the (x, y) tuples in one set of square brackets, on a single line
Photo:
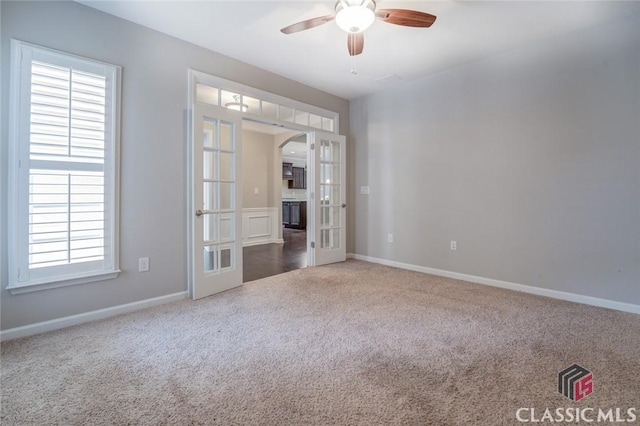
[(63, 169), (224, 93)]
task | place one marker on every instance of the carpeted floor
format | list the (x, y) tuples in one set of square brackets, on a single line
[(351, 343)]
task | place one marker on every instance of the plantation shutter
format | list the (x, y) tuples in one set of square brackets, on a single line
[(66, 180), (66, 225)]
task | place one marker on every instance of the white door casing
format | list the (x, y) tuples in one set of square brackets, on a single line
[(327, 240), (216, 211)]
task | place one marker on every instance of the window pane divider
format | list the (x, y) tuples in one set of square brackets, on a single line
[(66, 166)]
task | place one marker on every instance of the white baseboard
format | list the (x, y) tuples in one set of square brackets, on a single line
[(555, 294), (257, 243), (55, 324), (41, 327)]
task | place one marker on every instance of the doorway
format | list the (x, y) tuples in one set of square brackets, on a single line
[(275, 190), (219, 224)]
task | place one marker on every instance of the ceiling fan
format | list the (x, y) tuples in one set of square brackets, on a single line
[(355, 16)]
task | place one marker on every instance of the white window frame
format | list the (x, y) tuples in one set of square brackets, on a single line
[(21, 279), (221, 84)]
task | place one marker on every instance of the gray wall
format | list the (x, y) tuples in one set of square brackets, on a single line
[(257, 169), (529, 159), (153, 142)]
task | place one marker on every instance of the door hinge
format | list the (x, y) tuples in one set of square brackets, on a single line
[(313, 245), (313, 146)]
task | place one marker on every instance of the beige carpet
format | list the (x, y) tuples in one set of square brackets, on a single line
[(352, 343)]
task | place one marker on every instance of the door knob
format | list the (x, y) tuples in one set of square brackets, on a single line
[(199, 213), (344, 205)]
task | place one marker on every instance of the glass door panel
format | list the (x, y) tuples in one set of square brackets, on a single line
[(329, 198), (217, 210)]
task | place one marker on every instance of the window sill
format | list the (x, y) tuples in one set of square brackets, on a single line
[(62, 282)]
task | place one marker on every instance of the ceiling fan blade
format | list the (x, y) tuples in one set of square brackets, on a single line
[(305, 25), (355, 43), (407, 18)]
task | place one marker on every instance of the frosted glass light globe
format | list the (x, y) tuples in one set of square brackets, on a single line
[(355, 19)]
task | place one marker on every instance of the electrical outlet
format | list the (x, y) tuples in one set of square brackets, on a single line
[(390, 238), (143, 264), (454, 245)]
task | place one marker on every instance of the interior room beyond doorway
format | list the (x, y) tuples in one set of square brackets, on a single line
[(274, 200)]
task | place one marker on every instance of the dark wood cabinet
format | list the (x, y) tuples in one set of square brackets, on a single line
[(287, 171), (299, 178), (294, 214), (286, 214)]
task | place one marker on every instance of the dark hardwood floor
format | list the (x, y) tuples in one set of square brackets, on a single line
[(271, 259)]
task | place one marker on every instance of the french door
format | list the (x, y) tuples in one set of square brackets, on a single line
[(327, 242), (216, 216)]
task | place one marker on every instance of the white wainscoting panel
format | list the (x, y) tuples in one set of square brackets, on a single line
[(260, 226)]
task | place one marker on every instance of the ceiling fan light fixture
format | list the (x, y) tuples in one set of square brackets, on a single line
[(355, 18), (236, 104)]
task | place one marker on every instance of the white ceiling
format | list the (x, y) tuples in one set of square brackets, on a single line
[(464, 31), (295, 150)]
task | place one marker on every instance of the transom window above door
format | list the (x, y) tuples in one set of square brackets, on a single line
[(264, 106)]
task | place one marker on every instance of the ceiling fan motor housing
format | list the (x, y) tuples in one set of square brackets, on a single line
[(355, 16)]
